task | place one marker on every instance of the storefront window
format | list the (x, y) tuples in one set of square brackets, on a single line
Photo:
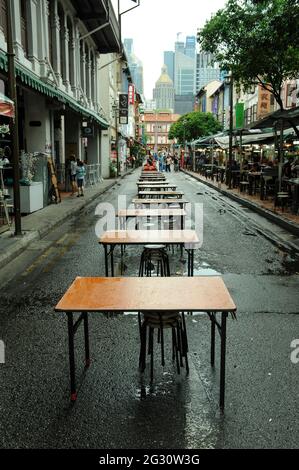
[(24, 26), (3, 18)]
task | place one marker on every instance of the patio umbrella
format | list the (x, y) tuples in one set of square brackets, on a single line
[(7, 107)]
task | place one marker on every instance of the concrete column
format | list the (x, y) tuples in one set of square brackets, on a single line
[(33, 37), (42, 37), (105, 154), (16, 28), (93, 83), (55, 26), (88, 76), (72, 62), (93, 148), (83, 67), (64, 45)]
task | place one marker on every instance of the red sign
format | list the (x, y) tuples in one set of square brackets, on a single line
[(131, 92)]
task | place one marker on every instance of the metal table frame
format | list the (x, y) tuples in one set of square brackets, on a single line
[(83, 318)]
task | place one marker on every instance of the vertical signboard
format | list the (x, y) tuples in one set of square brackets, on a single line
[(123, 108), (131, 94), (239, 108), (264, 102)]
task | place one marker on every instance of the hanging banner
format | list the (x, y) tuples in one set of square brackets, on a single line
[(264, 102), (239, 108), (131, 94)]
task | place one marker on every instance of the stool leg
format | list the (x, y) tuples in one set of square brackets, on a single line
[(152, 353), (162, 341)]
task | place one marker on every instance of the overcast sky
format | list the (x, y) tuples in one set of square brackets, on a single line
[(154, 26)]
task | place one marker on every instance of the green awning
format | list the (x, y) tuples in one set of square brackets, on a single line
[(32, 81)]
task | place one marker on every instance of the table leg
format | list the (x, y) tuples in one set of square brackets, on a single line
[(106, 261), (212, 318), (112, 260), (222, 359), (86, 340), (71, 335), (192, 262)]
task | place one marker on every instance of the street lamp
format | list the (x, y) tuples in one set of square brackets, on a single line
[(230, 82)]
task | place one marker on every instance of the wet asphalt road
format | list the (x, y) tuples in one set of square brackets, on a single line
[(116, 407)]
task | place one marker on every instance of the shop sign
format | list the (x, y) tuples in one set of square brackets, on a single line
[(123, 116), (123, 108), (131, 94), (239, 108), (264, 102)]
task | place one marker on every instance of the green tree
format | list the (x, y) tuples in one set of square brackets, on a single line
[(194, 125), (257, 41)]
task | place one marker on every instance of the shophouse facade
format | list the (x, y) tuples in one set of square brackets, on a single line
[(57, 59), (157, 125)]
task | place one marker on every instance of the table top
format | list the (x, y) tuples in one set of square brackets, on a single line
[(157, 184), (135, 294), (293, 180), (160, 201), (151, 212), (161, 193), (150, 237), (152, 178)]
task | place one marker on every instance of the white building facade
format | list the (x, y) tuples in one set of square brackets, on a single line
[(58, 75)]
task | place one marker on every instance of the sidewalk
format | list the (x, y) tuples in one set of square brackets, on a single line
[(286, 220), (38, 224)]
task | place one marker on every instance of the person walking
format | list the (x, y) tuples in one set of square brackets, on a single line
[(81, 172), (73, 172), (168, 163)]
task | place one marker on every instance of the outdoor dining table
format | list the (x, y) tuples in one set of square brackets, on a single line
[(156, 186), (146, 294), (161, 194), (151, 180), (187, 239), (150, 214), (160, 202)]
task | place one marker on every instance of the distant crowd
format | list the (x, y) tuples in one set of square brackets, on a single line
[(163, 161)]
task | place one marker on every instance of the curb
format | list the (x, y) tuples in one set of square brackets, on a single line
[(23, 242), (288, 226)]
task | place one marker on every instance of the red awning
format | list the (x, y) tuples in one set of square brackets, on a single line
[(7, 107)]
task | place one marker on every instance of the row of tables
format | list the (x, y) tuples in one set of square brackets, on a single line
[(147, 294)]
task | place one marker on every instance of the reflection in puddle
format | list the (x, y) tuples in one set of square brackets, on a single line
[(205, 270)]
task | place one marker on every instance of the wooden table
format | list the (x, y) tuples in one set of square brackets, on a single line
[(125, 214), (156, 186), (185, 238), (160, 202), (162, 194), (152, 178), (105, 295)]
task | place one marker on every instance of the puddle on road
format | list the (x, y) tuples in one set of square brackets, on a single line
[(205, 270)]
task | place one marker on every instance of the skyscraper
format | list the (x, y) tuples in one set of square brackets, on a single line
[(164, 91), (206, 70), (169, 62), (135, 65), (185, 66)]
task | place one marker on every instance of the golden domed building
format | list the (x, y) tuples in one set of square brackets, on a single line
[(164, 91)]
